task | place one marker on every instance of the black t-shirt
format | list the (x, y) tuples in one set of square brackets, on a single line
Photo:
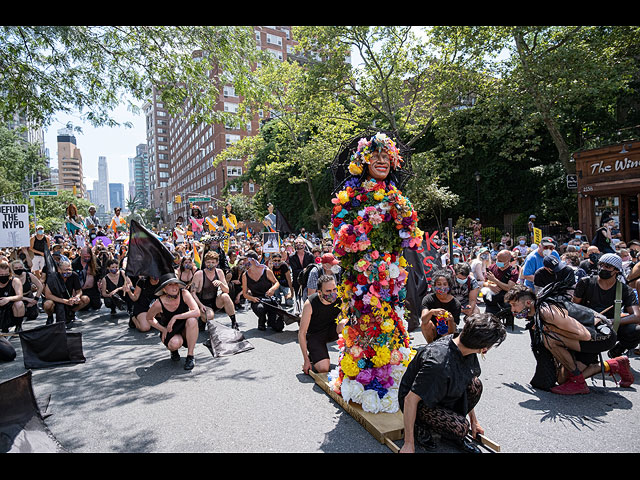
[(430, 301), (439, 374), (594, 297), (588, 267), (323, 316), (71, 283)]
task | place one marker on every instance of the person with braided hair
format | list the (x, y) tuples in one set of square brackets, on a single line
[(574, 335)]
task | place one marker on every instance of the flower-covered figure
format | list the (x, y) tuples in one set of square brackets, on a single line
[(372, 223)]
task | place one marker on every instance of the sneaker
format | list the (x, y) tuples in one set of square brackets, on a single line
[(573, 386), (616, 351), (189, 363), (175, 355), (620, 365)]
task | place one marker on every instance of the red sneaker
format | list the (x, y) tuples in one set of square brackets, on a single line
[(573, 386), (620, 365)]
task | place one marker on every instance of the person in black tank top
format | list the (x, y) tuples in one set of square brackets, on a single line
[(114, 287), (211, 291), (11, 305), (318, 325), (142, 296), (282, 272), (259, 282), (31, 291), (178, 317)]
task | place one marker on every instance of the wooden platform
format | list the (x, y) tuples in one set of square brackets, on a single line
[(385, 427)]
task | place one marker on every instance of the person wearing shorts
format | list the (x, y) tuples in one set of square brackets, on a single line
[(318, 326)]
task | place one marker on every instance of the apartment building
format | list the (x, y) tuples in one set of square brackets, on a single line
[(181, 155), (70, 176)]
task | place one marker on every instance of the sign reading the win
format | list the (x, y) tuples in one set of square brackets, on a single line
[(14, 226)]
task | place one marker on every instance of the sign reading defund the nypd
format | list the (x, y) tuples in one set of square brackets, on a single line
[(14, 226)]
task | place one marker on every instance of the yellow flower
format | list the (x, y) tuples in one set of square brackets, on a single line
[(378, 195), (382, 357), (374, 301), (402, 262), (355, 169), (343, 196), (387, 325), (349, 366)]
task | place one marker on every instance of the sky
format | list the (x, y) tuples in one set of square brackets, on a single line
[(117, 144)]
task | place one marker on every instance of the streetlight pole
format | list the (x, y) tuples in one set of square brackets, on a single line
[(477, 177)]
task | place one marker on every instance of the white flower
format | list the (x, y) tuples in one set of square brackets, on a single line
[(394, 270), (371, 401)]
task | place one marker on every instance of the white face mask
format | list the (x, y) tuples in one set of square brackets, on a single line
[(335, 268), (546, 253)]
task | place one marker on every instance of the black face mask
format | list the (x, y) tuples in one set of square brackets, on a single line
[(4, 278), (605, 274), (18, 272), (594, 257)]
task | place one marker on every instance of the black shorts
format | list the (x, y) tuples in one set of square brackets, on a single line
[(317, 343)]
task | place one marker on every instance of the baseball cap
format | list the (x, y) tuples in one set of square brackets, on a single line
[(328, 258), (611, 259), (548, 241), (553, 263)]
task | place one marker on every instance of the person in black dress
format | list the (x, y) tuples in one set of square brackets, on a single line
[(175, 314), (142, 296), (113, 288)]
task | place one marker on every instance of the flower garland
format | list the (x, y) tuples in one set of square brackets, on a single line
[(366, 148), (371, 223)]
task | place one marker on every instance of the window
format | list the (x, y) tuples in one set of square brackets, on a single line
[(234, 171)]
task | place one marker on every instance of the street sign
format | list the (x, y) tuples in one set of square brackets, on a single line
[(43, 193), (572, 181), (199, 199)]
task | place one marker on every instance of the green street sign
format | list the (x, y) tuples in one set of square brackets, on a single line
[(43, 193), (200, 199)]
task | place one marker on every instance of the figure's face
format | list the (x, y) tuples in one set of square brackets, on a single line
[(379, 165)]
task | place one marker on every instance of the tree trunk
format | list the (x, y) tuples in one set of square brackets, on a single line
[(314, 202)]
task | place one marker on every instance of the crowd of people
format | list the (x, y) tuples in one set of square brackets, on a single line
[(222, 267)]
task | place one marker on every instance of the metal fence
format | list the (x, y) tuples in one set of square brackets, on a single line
[(494, 233)]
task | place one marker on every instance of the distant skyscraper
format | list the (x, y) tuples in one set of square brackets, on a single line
[(139, 176), (69, 163), (103, 185), (116, 195)]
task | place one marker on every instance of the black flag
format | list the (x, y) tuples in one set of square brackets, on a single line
[(22, 426), (147, 256), (225, 341), (282, 225), (51, 345)]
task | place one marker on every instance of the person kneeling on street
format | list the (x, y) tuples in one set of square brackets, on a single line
[(211, 291), (441, 385), (69, 300), (318, 325), (114, 288), (574, 335), (12, 308), (178, 315)]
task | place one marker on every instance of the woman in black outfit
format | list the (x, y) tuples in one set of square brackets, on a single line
[(259, 282), (142, 296), (178, 318), (113, 288)]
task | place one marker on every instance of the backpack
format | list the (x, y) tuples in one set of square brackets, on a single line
[(303, 276)]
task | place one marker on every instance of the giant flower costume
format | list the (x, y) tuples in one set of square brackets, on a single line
[(372, 223)]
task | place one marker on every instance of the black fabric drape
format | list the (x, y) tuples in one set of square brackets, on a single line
[(51, 345), (146, 256), (225, 341)]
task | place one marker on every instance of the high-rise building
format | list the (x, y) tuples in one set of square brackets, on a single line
[(139, 176), (70, 174), (102, 192), (116, 196), (181, 154)]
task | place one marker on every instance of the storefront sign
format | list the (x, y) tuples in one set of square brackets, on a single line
[(619, 165)]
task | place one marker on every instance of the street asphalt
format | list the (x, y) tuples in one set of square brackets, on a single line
[(130, 397)]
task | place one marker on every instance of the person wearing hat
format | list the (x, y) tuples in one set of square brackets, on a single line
[(603, 237), (598, 292), (175, 314), (535, 260), (553, 270), (329, 265)]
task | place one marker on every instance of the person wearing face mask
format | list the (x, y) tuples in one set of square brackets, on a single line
[(554, 270), (211, 291), (142, 296), (329, 266), (465, 289), (598, 292), (114, 287), (440, 309), (282, 272), (480, 264), (86, 266), (71, 297), (318, 325), (573, 334), (12, 309), (535, 260), (501, 276), (186, 270), (521, 248), (38, 243), (31, 291), (603, 236), (298, 261), (441, 386), (590, 263)]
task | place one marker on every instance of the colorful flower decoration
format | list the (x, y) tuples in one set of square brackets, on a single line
[(372, 222)]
